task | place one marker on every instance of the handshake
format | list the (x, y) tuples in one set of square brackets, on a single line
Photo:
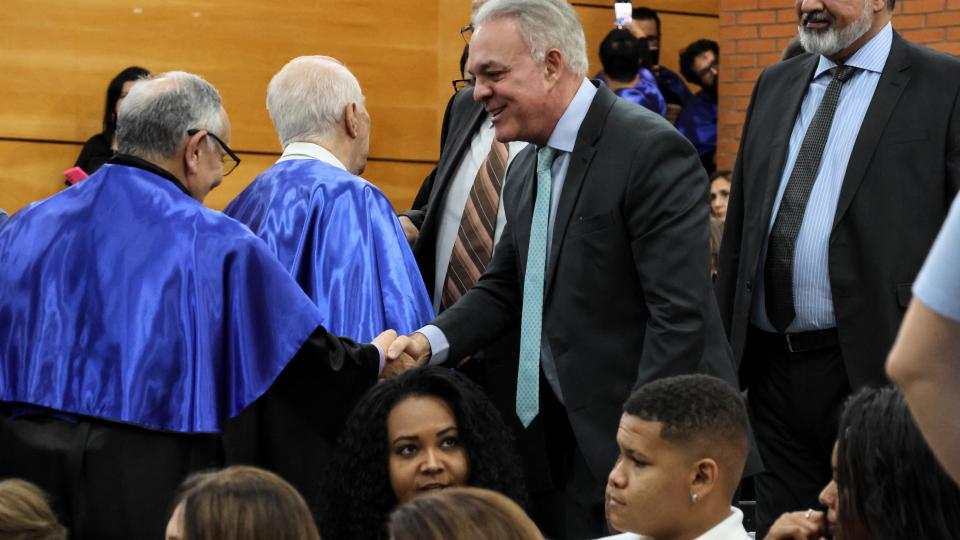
[(402, 352)]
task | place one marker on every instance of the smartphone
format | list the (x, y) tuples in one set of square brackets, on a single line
[(73, 175), (623, 11)]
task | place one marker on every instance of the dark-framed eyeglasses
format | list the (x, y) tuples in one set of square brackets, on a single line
[(706, 71), (466, 32), (460, 84), (227, 152)]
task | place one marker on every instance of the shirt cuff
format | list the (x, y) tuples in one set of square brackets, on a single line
[(439, 346), (383, 359)]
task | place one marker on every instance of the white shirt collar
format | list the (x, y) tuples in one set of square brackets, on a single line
[(306, 150), (871, 57), (730, 528), (564, 136)]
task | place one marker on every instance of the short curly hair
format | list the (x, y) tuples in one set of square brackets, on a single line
[(691, 52), (356, 498)]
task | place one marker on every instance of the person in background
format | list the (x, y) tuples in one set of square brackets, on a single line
[(924, 360), (240, 503), (646, 25), (683, 446), (887, 484), (102, 146), (620, 53), (700, 64), (335, 232), (428, 429), (25, 513), (462, 514), (719, 194)]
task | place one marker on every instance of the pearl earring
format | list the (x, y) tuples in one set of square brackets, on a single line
[(694, 498)]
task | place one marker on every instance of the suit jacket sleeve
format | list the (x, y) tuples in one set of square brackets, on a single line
[(667, 217)]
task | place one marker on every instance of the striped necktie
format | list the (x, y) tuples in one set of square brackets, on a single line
[(531, 322), (473, 248)]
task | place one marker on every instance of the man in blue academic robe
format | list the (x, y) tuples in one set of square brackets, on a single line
[(335, 232), (144, 336)]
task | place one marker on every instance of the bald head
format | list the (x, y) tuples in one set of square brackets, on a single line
[(308, 98)]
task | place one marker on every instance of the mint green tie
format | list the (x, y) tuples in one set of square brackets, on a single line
[(531, 322)]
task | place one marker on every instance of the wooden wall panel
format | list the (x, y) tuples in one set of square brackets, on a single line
[(58, 55)]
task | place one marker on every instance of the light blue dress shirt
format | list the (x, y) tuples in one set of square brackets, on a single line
[(812, 294), (563, 138), (938, 284)]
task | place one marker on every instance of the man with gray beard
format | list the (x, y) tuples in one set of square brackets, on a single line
[(849, 158)]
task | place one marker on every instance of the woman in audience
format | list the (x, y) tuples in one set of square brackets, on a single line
[(25, 514), (464, 514), (240, 503), (887, 486), (719, 195), (427, 429), (101, 147)]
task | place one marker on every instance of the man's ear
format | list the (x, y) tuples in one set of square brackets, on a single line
[(351, 121), (552, 62), (191, 153), (704, 475)]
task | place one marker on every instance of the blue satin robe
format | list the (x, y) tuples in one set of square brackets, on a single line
[(698, 122), (339, 237), (125, 299), (644, 93)]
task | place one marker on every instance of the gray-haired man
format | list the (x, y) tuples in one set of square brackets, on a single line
[(146, 336), (604, 261)]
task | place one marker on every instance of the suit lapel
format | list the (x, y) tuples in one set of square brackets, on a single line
[(462, 136), (893, 80), (525, 177), (580, 158), (790, 96)]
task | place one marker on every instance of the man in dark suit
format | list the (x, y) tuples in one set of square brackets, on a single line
[(848, 161), (604, 262)]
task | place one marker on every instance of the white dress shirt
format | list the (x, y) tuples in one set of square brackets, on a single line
[(306, 150), (456, 200), (728, 529)]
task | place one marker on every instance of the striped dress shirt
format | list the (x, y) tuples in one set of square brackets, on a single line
[(812, 294)]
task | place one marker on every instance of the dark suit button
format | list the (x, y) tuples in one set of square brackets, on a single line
[(749, 286)]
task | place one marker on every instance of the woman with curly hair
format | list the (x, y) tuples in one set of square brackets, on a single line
[(427, 429)]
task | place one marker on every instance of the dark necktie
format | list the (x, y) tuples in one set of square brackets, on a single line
[(781, 246), (473, 247)]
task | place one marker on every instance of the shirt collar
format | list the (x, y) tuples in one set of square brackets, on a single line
[(731, 527), (564, 136), (871, 57), (307, 150)]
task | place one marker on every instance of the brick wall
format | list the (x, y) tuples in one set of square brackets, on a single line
[(753, 34)]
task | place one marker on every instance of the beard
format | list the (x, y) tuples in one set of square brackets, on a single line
[(831, 40)]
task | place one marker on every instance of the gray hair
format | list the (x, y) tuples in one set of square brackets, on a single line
[(544, 25), (307, 98), (156, 114)]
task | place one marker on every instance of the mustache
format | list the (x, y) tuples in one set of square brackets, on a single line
[(816, 17)]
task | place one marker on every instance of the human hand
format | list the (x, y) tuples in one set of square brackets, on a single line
[(808, 525), (409, 230), (415, 345)]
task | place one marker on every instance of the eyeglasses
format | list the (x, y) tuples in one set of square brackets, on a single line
[(460, 84), (466, 32), (715, 65), (227, 152)]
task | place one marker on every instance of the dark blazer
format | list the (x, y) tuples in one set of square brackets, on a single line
[(627, 294), (902, 175)]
